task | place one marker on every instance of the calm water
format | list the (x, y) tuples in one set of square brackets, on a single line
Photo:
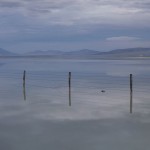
[(96, 120)]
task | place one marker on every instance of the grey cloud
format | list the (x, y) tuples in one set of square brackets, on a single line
[(60, 20), (44, 4), (39, 10), (68, 3), (50, 3), (122, 38), (46, 8), (145, 5), (9, 4)]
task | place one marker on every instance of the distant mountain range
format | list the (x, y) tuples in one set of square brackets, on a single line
[(57, 52), (85, 53), (4, 52), (130, 52), (45, 52)]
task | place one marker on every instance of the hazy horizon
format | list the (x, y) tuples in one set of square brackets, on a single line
[(73, 50)]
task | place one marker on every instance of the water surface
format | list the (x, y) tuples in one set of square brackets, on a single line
[(95, 120)]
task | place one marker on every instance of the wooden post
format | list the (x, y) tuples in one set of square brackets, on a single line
[(69, 88), (131, 92), (24, 85)]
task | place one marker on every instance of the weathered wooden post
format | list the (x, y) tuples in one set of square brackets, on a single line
[(24, 85), (131, 92), (69, 88)]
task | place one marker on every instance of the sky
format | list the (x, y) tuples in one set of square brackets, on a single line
[(28, 25)]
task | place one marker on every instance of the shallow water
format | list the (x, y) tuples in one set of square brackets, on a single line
[(95, 120)]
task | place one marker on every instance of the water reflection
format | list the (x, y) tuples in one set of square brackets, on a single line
[(45, 120)]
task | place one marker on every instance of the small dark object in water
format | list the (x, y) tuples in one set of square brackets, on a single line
[(103, 91)]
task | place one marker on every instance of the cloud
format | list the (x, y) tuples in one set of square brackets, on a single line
[(70, 12), (123, 38), (10, 4), (75, 20)]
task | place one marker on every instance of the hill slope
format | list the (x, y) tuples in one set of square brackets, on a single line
[(130, 52), (85, 53), (4, 52)]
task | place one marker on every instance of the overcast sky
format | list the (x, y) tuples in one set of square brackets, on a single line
[(27, 25)]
